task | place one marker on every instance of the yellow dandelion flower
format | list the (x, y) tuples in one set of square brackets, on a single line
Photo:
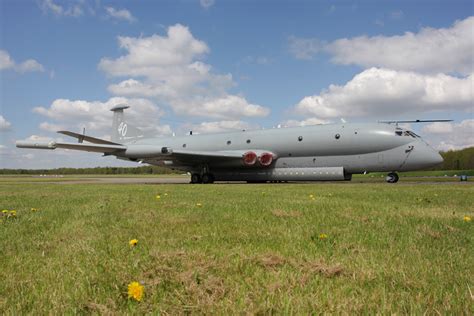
[(198, 204), (34, 209), (135, 291), (133, 242), (323, 236), (166, 194), (467, 218), (5, 212), (311, 196), (158, 197), (12, 213)]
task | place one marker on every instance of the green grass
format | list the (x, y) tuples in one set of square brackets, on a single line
[(391, 249)]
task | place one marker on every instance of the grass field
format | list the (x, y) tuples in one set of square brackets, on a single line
[(227, 249)]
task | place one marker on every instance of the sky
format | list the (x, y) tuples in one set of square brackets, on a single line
[(213, 65)]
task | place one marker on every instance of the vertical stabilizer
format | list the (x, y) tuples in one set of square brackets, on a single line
[(122, 132)]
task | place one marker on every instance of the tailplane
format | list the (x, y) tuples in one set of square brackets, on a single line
[(123, 132)]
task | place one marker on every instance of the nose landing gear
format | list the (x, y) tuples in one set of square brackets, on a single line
[(392, 177)]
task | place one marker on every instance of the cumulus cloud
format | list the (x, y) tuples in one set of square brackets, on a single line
[(4, 124), (306, 122), (220, 126), (119, 14), (169, 69), (96, 117), (431, 50), (30, 65), (382, 92), (451, 136)]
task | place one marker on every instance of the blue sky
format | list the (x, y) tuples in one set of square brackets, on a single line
[(220, 65)]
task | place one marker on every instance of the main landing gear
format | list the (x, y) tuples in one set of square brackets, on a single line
[(205, 178), (392, 177)]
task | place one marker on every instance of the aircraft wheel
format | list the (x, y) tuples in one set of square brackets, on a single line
[(392, 177), (195, 178), (207, 178)]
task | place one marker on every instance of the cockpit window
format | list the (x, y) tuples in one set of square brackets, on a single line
[(410, 133), (399, 133)]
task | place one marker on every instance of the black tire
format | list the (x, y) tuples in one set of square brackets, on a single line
[(392, 177), (207, 178), (195, 178)]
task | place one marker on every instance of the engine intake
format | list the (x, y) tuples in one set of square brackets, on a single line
[(265, 159), (249, 158)]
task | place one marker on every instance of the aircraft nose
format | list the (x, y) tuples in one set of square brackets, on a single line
[(424, 156)]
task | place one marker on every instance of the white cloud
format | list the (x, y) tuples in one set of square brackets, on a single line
[(306, 122), (122, 14), (219, 126), (305, 48), (384, 93), (48, 6), (169, 70), (206, 3), (96, 117), (5, 60), (4, 124), (431, 50), (30, 65), (451, 136)]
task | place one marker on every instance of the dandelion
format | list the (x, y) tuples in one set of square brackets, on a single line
[(323, 236), (5, 212), (166, 194), (198, 204), (133, 242), (158, 197), (135, 291), (13, 213), (311, 196), (467, 218), (34, 209)]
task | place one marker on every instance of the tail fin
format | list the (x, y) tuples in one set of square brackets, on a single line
[(122, 132)]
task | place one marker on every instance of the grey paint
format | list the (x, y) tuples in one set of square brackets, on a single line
[(320, 152)]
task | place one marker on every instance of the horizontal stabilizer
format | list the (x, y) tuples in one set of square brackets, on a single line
[(102, 148), (87, 138)]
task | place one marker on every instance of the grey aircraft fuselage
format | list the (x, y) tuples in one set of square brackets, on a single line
[(312, 153), (357, 148)]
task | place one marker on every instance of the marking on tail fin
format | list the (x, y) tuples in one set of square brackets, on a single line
[(122, 129)]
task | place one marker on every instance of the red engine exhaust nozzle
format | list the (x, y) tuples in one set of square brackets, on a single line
[(250, 158), (265, 159)]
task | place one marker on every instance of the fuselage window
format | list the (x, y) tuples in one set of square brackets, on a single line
[(300, 138), (229, 142), (337, 136), (184, 145), (248, 141)]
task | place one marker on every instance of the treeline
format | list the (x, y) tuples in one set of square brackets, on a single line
[(457, 159), (453, 160), (96, 170)]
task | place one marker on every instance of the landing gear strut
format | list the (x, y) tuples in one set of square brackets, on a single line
[(392, 177), (205, 178)]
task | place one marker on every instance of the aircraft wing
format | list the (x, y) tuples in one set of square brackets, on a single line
[(90, 139), (98, 148), (205, 156)]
